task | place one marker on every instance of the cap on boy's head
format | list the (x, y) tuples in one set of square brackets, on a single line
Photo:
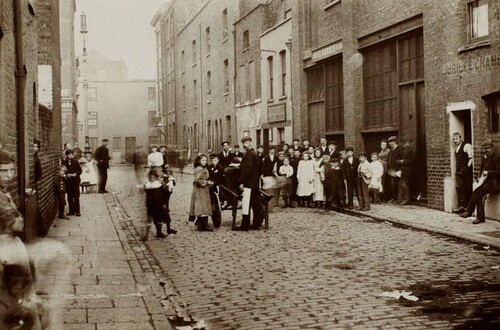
[(5, 158), (236, 146), (332, 143), (392, 139), (272, 147), (69, 151), (487, 144), (260, 146), (281, 153), (105, 140), (334, 160), (349, 149), (214, 155), (225, 142), (245, 139), (295, 140), (305, 140)]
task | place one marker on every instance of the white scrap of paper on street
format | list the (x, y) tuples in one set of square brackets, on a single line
[(398, 294)]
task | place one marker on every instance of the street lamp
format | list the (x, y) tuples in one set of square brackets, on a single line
[(84, 31)]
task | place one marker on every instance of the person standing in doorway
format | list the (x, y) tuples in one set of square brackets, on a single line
[(249, 184), (383, 155), (101, 155), (407, 165), (463, 172), (394, 168)]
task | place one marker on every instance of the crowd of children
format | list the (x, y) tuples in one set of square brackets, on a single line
[(307, 176)]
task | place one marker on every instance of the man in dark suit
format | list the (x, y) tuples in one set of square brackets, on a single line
[(296, 145), (406, 161), (350, 171), (261, 155), (101, 155), (73, 172), (332, 150), (225, 156), (249, 184), (490, 183), (393, 167), (323, 147), (237, 152)]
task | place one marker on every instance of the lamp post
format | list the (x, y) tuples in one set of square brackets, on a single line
[(84, 31)]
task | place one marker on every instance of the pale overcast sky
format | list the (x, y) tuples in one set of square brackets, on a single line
[(121, 30)]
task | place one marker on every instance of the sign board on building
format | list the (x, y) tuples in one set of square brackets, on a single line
[(281, 124), (276, 113), (92, 119), (327, 51)]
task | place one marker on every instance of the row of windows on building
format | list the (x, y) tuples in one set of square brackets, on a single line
[(215, 132)]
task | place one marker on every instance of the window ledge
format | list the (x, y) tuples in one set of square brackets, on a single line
[(226, 94), (476, 45), (246, 50), (193, 65), (207, 55), (224, 40), (270, 101), (331, 4), (183, 71), (283, 97), (183, 110), (195, 107)]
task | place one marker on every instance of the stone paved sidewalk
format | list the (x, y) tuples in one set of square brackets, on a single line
[(427, 219), (97, 281)]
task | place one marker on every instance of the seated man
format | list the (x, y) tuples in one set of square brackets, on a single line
[(489, 183)]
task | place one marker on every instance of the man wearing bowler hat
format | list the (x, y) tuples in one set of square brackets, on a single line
[(101, 155), (249, 184), (489, 183)]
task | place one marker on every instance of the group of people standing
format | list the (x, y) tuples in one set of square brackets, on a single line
[(70, 174), (303, 176)]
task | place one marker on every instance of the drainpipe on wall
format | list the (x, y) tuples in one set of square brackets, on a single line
[(21, 74)]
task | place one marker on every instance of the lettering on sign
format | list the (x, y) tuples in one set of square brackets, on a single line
[(281, 124), (276, 113), (92, 119), (327, 51), (475, 64)]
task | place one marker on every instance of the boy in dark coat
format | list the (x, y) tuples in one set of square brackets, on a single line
[(350, 171), (74, 170), (216, 174), (60, 190), (406, 162)]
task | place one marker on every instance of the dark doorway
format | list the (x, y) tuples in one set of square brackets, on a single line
[(129, 149), (265, 138)]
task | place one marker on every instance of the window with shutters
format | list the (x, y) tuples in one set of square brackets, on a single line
[(381, 86), (334, 96)]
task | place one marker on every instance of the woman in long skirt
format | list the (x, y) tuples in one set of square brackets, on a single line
[(318, 196), (201, 207), (305, 178)]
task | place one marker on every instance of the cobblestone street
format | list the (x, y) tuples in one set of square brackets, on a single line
[(318, 270)]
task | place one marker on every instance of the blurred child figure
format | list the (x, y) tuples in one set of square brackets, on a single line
[(157, 195), (326, 177), (376, 183), (73, 172), (286, 171), (364, 178), (305, 178), (334, 183), (60, 190), (318, 195), (280, 181)]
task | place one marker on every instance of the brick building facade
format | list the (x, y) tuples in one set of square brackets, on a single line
[(69, 68), (391, 69), (121, 110), (42, 105)]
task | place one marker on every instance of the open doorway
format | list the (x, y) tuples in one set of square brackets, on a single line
[(460, 121)]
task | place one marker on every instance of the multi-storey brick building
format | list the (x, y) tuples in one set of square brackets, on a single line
[(422, 70), (69, 77), (121, 110), (31, 108)]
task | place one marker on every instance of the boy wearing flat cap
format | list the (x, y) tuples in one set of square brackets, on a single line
[(489, 183)]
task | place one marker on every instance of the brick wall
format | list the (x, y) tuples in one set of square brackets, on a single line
[(49, 120)]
